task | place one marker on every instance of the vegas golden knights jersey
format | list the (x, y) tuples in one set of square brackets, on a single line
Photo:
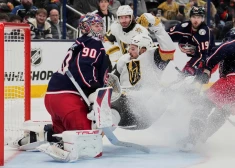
[(123, 39)]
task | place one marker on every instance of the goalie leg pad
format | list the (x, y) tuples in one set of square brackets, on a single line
[(76, 145)]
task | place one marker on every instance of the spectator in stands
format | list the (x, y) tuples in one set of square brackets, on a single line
[(4, 17), (26, 10), (107, 16), (82, 6), (141, 6), (182, 4), (15, 34), (85, 6), (226, 16), (6, 6), (167, 23), (40, 3), (53, 4), (131, 5), (170, 10), (153, 11), (113, 6), (12, 3), (15, 19), (40, 29), (151, 4), (56, 24)]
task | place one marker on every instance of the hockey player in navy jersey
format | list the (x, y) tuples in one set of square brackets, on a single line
[(220, 95), (88, 64), (194, 38)]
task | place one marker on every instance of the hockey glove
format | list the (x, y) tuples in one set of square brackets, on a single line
[(188, 70), (91, 113), (92, 97), (148, 20), (204, 77)]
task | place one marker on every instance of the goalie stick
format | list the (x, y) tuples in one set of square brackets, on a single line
[(109, 134)]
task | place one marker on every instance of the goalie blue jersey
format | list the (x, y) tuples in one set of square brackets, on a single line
[(201, 41), (88, 63)]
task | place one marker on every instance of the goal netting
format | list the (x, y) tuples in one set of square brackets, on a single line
[(14, 81)]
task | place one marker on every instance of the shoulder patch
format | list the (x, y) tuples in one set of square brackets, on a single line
[(184, 24), (202, 32), (138, 30)]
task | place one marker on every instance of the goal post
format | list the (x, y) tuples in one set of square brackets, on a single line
[(15, 76)]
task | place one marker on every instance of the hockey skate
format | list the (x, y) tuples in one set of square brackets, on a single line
[(16, 143), (29, 141)]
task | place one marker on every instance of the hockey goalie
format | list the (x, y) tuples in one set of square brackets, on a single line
[(68, 146)]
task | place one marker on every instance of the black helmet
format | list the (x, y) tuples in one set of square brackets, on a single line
[(197, 10), (230, 35)]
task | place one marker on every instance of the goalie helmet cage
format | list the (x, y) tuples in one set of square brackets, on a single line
[(15, 76)]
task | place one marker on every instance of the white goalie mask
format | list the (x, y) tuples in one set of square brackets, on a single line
[(125, 10), (142, 40)]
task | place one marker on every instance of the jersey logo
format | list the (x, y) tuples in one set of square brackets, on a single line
[(202, 32), (133, 68), (138, 30), (184, 24), (123, 47)]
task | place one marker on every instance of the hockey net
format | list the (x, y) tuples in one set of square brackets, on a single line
[(14, 81)]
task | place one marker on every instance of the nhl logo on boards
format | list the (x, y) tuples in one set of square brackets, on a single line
[(36, 56), (202, 32)]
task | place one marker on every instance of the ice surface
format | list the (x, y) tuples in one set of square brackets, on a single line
[(218, 152)]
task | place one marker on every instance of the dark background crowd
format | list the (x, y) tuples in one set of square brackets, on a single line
[(45, 21)]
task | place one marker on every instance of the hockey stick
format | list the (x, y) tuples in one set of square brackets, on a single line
[(113, 139), (109, 134)]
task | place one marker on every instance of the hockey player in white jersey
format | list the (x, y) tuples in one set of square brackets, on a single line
[(122, 30), (143, 56), (142, 60)]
